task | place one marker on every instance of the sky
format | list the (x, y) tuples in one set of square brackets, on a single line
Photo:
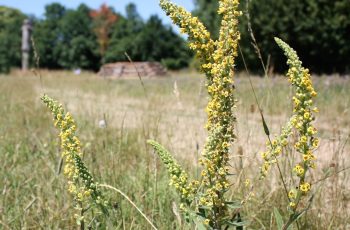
[(144, 7)]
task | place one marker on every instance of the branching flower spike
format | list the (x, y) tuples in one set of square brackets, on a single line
[(80, 181), (301, 121), (217, 60)]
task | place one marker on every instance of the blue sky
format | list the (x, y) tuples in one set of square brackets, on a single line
[(145, 7)]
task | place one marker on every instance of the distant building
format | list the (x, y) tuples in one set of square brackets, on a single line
[(127, 69)]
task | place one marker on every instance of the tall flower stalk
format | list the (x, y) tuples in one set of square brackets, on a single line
[(301, 121), (81, 184), (217, 60)]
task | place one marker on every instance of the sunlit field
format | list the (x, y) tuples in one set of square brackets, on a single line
[(115, 119)]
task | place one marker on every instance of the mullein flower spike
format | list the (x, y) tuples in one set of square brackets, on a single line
[(178, 177), (217, 60), (301, 121), (80, 181)]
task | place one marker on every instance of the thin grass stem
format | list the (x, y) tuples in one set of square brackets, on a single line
[(130, 201)]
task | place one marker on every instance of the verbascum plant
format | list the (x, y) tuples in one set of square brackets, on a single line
[(80, 182), (206, 199), (301, 122), (178, 177)]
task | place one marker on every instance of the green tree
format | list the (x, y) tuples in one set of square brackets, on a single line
[(157, 42), (206, 10), (78, 45), (150, 41), (48, 36), (318, 29), (64, 38), (10, 38), (133, 15), (123, 36)]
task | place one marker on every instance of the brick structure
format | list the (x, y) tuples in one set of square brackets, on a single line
[(127, 69)]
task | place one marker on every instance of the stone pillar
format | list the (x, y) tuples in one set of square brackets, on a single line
[(26, 33)]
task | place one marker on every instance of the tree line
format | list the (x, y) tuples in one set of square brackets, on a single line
[(318, 29), (85, 38)]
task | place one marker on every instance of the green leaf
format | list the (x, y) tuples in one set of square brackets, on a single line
[(199, 223), (233, 204), (235, 223), (266, 128), (205, 207), (279, 219)]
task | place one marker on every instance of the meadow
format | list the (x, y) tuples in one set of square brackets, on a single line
[(170, 110)]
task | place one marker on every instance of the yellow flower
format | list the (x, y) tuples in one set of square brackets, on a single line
[(315, 110), (303, 139), (311, 130), (305, 187), (264, 155), (292, 194), (306, 157), (292, 204), (284, 142), (299, 170), (306, 115), (313, 94)]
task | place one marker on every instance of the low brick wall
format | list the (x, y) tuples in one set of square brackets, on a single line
[(127, 69)]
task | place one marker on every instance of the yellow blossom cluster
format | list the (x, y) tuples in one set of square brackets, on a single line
[(80, 182), (178, 177), (304, 115), (301, 121), (220, 112), (217, 60), (275, 148), (198, 36)]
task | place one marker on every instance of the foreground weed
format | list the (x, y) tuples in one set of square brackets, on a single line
[(81, 184), (204, 201), (307, 143)]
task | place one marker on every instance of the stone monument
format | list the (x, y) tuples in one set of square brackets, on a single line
[(26, 34)]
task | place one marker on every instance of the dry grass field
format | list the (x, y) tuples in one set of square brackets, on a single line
[(33, 194)]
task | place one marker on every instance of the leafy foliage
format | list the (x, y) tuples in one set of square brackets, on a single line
[(86, 38), (48, 37), (10, 38), (206, 11), (103, 20), (79, 47), (319, 29), (150, 41), (64, 38)]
